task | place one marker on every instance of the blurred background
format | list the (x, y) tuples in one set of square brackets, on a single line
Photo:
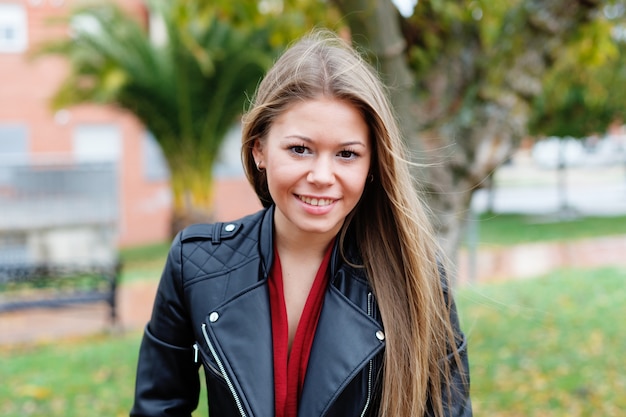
[(119, 125)]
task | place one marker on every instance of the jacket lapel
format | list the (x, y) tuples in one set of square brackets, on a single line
[(345, 341), (242, 336)]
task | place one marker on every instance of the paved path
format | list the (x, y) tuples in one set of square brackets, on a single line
[(532, 260), (44, 325)]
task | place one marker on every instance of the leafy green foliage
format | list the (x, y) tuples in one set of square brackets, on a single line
[(582, 94), (579, 93), (485, 32)]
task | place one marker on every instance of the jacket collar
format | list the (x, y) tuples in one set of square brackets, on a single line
[(266, 241), (266, 246)]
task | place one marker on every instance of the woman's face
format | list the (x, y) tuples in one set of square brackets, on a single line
[(317, 159)]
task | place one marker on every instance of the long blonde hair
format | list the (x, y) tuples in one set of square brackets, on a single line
[(391, 228)]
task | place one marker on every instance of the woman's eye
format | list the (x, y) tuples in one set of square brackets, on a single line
[(298, 149), (347, 154)]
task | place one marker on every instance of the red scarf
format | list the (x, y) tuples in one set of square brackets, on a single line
[(290, 369)]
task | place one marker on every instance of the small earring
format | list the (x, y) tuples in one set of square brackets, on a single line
[(258, 167), (370, 178)]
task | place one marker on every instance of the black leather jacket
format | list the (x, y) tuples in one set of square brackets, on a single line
[(212, 308)]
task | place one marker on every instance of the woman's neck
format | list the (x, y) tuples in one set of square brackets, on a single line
[(294, 242), (299, 245)]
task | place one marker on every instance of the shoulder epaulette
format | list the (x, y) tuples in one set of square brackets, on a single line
[(215, 232)]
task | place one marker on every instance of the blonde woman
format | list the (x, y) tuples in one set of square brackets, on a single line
[(328, 302)]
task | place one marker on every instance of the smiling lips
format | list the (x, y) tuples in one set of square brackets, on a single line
[(313, 201)]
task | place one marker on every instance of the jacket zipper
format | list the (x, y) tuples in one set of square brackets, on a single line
[(197, 356), (371, 364), (231, 387)]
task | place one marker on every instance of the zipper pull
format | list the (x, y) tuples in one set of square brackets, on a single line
[(195, 353)]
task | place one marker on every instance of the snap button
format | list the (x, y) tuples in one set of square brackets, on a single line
[(380, 335), (229, 227), (214, 316)]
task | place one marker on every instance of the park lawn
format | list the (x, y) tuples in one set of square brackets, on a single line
[(92, 376), (514, 229), (551, 346), (143, 262)]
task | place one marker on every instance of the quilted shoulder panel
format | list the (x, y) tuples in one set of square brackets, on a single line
[(215, 249)]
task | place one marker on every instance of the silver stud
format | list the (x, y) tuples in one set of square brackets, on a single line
[(229, 227), (380, 335), (214, 316)]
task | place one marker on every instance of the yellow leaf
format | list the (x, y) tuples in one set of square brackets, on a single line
[(35, 391)]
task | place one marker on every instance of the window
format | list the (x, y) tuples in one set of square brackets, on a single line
[(13, 142), (13, 149), (97, 143), (13, 28), (154, 164)]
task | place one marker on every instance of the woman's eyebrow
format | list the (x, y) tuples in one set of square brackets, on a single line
[(309, 140), (304, 138)]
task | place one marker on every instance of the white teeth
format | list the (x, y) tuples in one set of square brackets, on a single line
[(316, 201)]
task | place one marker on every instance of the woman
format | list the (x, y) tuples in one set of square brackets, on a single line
[(330, 301)]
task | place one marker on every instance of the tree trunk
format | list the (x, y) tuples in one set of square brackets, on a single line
[(192, 189)]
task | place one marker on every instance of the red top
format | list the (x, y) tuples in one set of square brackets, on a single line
[(290, 368)]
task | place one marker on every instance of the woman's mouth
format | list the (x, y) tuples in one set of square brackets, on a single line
[(314, 201)]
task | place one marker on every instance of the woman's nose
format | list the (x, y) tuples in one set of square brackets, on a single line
[(322, 172)]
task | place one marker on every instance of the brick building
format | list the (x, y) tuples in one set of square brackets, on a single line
[(30, 131)]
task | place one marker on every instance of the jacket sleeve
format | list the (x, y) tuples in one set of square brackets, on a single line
[(455, 396), (457, 402), (167, 382)]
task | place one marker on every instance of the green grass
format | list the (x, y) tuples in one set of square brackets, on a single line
[(73, 378), (91, 376), (513, 229), (547, 347), (143, 262), (145, 256)]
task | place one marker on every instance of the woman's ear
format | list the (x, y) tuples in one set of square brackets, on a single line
[(257, 153)]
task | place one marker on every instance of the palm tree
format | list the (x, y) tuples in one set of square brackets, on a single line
[(187, 89)]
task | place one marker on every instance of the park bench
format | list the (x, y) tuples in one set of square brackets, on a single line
[(24, 286), (58, 235)]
